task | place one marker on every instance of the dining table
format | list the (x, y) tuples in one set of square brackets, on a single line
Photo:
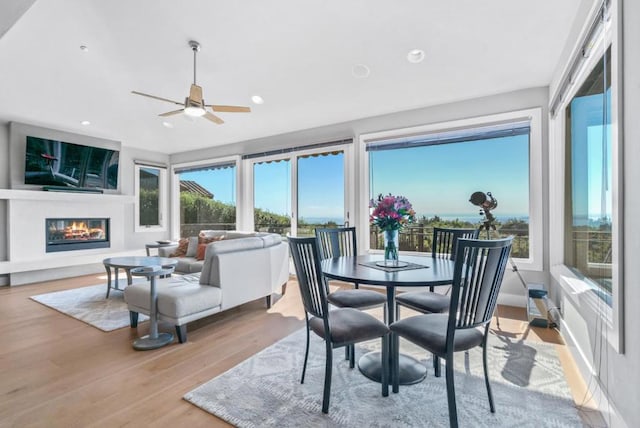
[(417, 271)]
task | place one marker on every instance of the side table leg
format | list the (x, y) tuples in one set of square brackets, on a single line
[(108, 268), (154, 339)]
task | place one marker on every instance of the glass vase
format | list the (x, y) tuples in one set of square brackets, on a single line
[(391, 247)]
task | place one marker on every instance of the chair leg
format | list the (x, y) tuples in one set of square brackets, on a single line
[(327, 377), (385, 365), (133, 319), (436, 365), (451, 392), (347, 351), (486, 371), (181, 332), (352, 355), (306, 353), (356, 285)]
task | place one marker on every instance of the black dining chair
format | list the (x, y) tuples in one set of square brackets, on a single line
[(443, 246), (338, 327), (337, 242), (478, 273)]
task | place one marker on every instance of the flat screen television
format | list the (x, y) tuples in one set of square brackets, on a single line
[(56, 163)]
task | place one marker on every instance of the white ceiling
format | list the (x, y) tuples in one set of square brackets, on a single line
[(297, 54)]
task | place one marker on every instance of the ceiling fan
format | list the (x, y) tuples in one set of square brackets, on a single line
[(194, 104)]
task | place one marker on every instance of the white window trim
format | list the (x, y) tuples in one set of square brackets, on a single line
[(574, 286), (349, 179), (162, 199), (175, 189), (534, 115)]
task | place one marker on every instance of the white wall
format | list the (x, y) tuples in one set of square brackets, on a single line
[(512, 292)]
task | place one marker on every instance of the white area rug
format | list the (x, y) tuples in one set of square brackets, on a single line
[(88, 304), (528, 384)]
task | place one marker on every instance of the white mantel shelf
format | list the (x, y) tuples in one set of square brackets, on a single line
[(40, 195)]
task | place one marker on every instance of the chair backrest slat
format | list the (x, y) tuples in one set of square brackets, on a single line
[(445, 241), (313, 288), (336, 242), (478, 274)]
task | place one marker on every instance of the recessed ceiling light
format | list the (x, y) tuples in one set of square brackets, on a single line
[(84, 48), (167, 124), (85, 122), (257, 99), (360, 71), (415, 56)]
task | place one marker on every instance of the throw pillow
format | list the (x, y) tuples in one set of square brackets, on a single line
[(202, 249), (192, 248), (183, 243)]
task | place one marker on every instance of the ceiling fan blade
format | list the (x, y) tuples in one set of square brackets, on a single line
[(157, 98), (171, 113), (195, 94), (213, 118), (230, 109)]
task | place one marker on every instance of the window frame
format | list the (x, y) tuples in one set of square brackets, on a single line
[(533, 115), (575, 287), (162, 199), (349, 196)]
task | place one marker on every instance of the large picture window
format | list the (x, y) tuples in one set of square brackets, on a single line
[(438, 172), (589, 201)]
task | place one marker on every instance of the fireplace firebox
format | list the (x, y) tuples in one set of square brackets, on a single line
[(66, 234)]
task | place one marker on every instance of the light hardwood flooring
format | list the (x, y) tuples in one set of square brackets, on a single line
[(56, 371)]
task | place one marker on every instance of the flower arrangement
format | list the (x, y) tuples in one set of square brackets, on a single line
[(391, 212)]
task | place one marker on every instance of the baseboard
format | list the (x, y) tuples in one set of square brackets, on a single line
[(608, 410), (517, 300), (22, 278)]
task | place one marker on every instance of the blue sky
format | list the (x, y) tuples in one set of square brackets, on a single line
[(437, 180)]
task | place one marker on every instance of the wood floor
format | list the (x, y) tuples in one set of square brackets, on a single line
[(56, 371)]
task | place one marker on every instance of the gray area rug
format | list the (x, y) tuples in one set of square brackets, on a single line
[(88, 304), (527, 379)]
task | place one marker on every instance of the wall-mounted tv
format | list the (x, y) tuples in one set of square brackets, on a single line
[(56, 163)]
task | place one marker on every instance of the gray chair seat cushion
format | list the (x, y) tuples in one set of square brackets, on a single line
[(424, 301), (349, 325), (430, 332), (359, 299)]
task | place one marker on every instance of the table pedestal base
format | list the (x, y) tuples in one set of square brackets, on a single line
[(146, 343), (411, 370)]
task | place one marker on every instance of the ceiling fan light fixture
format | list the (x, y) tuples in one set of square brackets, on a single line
[(194, 111)]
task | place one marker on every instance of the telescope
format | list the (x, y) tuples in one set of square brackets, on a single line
[(485, 201)]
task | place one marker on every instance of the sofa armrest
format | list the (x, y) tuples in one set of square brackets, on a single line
[(166, 251)]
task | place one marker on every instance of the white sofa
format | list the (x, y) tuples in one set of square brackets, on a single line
[(235, 271)]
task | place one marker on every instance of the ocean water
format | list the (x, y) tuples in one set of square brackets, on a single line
[(471, 218)]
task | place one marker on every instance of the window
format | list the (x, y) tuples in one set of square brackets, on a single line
[(588, 243), (293, 194), (585, 160), (150, 207), (207, 197), (438, 172)]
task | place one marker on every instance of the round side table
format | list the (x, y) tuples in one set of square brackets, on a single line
[(154, 339)]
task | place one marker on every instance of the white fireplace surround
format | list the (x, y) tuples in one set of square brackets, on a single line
[(27, 211)]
